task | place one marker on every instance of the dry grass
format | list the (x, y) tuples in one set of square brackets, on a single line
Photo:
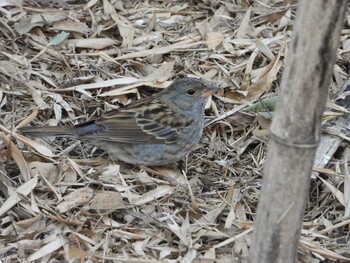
[(62, 200)]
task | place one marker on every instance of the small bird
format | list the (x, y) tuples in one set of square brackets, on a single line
[(153, 131)]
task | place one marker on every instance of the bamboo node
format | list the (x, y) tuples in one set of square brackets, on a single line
[(282, 141)]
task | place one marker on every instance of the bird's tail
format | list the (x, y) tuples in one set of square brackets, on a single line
[(42, 131)]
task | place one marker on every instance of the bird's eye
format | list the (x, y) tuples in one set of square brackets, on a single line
[(190, 91)]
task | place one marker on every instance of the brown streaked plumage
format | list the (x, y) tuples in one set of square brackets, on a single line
[(153, 131)]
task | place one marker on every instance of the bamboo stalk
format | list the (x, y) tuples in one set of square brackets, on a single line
[(295, 130)]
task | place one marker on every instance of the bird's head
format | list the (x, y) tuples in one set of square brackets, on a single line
[(189, 94)]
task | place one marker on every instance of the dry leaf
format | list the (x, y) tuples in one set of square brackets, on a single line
[(17, 196), (75, 252), (73, 26), (213, 39), (154, 194), (107, 200), (163, 73), (265, 81), (40, 148), (336, 192), (47, 249), (104, 84), (97, 43), (18, 157), (131, 88), (347, 183), (243, 30), (127, 235), (159, 50), (48, 170), (77, 198)]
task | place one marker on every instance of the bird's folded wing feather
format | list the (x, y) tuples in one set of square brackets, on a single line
[(155, 122)]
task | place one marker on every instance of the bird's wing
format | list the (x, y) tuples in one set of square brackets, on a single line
[(147, 121)]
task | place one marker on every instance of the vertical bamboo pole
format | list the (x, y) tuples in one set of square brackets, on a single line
[(295, 130)]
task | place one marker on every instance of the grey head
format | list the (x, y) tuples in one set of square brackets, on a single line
[(189, 94)]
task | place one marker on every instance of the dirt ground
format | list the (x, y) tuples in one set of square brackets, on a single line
[(65, 62)]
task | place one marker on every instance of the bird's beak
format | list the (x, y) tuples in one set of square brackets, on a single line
[(211, 89)]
